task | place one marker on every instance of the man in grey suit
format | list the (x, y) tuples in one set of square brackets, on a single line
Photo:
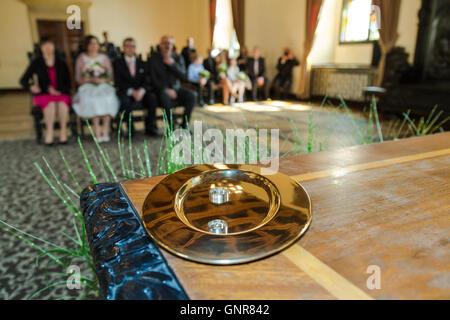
[(256, 73)]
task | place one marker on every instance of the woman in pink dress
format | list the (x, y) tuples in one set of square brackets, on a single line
[(52, 92)]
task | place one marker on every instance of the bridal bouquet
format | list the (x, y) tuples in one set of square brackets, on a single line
[(242, 76), (95, 70), (222, 68), (205, 74)]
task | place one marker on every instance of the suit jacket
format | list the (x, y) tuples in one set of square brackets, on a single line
[(39, 68), (251, 68), (163, 76), (110, 50), (123, 79), (186, 53), (243, 66), (285, 70), (210, 65)]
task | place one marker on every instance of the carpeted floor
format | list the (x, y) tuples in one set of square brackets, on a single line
[(26, 201)]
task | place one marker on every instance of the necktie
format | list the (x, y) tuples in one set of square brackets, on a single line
[(256, 69), (132, 68)]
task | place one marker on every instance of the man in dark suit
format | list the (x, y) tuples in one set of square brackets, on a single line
[(108, 47), (210, 64), (188, 52), (132, 86), (283, 80), (166, 71), (256, 73)]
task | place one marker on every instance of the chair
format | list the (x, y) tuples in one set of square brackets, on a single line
[(137, 106), (39, 124), (195, 87), (377, 92)]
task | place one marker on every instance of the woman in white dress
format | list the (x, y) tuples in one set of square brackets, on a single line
[(237, 84), (95, 99)]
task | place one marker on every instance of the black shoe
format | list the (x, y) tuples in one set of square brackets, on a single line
[(202, 103), (51, 144)]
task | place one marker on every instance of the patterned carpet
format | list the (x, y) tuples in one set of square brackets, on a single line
[(26, 201)]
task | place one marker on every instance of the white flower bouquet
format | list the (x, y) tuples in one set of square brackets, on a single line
[(95, 70)]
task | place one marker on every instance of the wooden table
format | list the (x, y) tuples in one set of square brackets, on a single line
[(376, 207)]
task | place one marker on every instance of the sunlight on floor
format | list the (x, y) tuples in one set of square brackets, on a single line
[(257, 107), (221, 108), (262, 106)]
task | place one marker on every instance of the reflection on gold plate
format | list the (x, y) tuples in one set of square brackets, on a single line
[(226, 214)]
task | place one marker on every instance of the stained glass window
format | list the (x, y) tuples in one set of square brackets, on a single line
[(359, 22)]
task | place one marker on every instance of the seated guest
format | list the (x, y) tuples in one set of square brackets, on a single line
[(283, 80), (210, 64), (221, 62), (166, 71), (96, 98), (108, 47), (188, 52), (256, 71), (237, 82), (243, 59), (132, 86), (197, 76), (52, 93)]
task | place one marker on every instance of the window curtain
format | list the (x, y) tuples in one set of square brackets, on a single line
[(238, 19), (389, 12), (212, 18), (312, 20)]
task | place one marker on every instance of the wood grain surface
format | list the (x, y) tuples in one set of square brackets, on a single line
[(385, 205)]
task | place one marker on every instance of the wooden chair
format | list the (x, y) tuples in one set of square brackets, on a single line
[(135, 118), (39, 125)]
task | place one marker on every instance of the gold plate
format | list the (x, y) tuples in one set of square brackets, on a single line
[(263, 214)]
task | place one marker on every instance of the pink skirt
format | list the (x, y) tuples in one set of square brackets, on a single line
[(43, 100)]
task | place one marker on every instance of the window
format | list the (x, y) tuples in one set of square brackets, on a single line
[(224, 33), (359, 22)]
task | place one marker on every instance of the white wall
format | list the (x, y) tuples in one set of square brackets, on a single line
[(148, 20), (408, 26), (274, 25), (15, 38), (326, 39)]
